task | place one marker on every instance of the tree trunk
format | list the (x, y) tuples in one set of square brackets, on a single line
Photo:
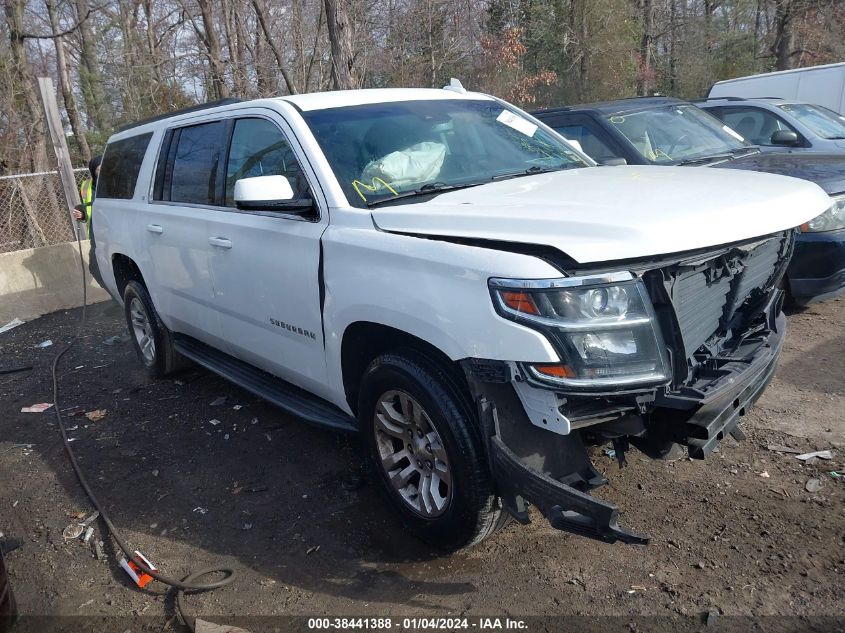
[(212, 46), (242, 87), (90, 76), (261, 13), (64, 84), (646, 46), (33, 115), (673, 49), (317, 30), (784, 35), (340, 38)]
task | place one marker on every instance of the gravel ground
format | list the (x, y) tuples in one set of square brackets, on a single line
[(735, 535)]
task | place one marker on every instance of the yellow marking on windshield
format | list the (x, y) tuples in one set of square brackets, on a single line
[(357, 185)]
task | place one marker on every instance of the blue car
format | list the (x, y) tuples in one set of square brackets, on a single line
[(781, 126), (817, 269), (665, 131)]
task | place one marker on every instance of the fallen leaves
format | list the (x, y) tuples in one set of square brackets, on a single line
[(96, 415)]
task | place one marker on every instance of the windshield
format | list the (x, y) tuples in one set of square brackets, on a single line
[(383, 151), (823, 122), (676, 133)]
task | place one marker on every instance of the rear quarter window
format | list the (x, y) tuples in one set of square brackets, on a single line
[(121, 164)]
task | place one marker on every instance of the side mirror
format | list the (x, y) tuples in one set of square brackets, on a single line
[(269, 193), (784, 137), (613, 162)]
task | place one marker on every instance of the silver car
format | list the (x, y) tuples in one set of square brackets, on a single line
[(781, 125)]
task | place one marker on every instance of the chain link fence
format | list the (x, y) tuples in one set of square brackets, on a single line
[(33, 211)]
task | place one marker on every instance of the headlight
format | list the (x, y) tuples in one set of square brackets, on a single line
[(603, 327), (830, 220)]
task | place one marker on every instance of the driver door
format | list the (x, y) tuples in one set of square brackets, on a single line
[(265, 264)]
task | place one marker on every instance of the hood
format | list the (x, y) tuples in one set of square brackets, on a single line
[(598, 214), (826, 170)]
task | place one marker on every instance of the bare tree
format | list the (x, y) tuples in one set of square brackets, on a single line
[(340, 37), (261, 13), (35, 130), (64, 83)]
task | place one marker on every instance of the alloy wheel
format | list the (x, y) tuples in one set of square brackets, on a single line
[(412, 454), (143, 330)]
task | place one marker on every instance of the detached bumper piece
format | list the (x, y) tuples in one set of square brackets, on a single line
[(565, 507)]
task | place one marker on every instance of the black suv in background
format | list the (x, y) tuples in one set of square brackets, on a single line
[(666, 131)]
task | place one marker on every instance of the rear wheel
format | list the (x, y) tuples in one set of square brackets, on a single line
[(152, 341), (425, 446)]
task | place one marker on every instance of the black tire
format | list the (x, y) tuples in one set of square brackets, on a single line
[(473, 511), (164, 358)]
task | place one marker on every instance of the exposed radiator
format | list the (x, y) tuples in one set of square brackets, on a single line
[(700, 293)]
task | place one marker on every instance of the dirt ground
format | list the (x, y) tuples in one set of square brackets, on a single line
[(735, 535)]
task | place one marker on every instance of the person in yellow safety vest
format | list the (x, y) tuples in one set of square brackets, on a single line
[(83, 213)]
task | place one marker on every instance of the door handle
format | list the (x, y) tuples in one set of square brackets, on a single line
[(220, 242), (155, 228)]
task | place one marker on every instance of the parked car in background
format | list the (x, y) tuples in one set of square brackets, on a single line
[(824, 85), (665, 131), (441, 273), (778, 125)]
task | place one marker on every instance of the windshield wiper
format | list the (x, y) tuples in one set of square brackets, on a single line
[(426, 190), (704, 159), (735, 153), (745, 151), (535, 169)]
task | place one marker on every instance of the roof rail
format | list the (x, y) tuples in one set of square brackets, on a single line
[(196, 108), (738, 98)]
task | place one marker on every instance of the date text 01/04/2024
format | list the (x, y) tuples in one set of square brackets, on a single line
[(447, 624)]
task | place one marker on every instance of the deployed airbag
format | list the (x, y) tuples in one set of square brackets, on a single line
[(408, 168)]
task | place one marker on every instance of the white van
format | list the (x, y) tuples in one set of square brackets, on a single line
[(820, 85), (443, 274)]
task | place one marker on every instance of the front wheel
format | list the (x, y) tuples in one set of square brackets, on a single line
[(151, 339), (425, 446)]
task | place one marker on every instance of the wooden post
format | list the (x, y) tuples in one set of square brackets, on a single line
[(64, 168)]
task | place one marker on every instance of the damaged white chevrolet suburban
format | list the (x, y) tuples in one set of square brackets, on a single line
[(442, 273)]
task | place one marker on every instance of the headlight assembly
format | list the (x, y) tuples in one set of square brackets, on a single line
[(830, 220), (602, 326)]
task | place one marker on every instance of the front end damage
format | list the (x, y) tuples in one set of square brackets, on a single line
[(719, 315)]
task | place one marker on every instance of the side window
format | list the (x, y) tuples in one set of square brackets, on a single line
[(260, 149), (192, 171), (753, 124), (594, 146), (121, 164)]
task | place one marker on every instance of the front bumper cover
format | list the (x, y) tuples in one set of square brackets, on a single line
[(565, 507), (553, 472)]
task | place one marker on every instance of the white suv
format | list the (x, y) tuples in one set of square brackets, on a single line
[(443, 273)]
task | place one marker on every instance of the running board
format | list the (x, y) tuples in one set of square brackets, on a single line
[(284, 395)]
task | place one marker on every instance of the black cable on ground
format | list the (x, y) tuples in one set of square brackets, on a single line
[(188, 583)]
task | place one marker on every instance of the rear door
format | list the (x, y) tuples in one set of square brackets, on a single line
[(265, 264), (186, 190)]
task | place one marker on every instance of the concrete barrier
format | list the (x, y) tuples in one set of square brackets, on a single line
[(37, 281)]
